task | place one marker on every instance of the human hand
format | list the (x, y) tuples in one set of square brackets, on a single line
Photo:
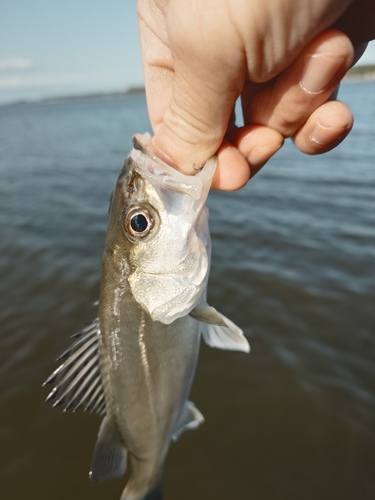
[(199, 56)]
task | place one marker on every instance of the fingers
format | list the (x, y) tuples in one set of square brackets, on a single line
[(292, 105), (286, 104), (232, 171), (325, 128), (191, 95), (209, 74), (243, 154), (249, 148)]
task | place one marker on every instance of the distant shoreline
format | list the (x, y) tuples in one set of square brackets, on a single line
[(361, 74), (79, 97), (365, 73)]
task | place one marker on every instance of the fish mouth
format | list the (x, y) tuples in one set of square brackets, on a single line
[(156, 170), (139, 146)]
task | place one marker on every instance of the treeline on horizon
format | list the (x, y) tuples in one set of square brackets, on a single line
[(366, 69)]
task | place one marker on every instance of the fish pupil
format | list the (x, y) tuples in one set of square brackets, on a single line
[(139, 223)]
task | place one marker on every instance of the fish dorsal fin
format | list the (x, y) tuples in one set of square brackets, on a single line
[(109, 457), (191, 418), (219, 331), (77, 381)]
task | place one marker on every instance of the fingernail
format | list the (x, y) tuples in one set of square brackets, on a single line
[(325, 135), (320, 70)]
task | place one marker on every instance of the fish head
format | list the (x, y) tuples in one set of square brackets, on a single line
[(159, 224)]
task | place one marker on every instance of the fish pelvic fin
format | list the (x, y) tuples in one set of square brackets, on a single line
[(77, 381), (110, 455), (219, 331), (191, 418)]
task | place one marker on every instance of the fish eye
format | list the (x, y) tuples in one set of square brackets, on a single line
[(138, 222)]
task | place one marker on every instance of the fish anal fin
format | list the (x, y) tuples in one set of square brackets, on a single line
[(109, 457), (207, 314), (191, 418)]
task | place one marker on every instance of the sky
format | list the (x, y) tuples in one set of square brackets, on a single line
[(50, 48), (67, 47)]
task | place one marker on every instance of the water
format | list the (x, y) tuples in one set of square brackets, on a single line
[(293, 264)]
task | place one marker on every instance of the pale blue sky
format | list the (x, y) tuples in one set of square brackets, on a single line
[(58, 47), (64, 47)]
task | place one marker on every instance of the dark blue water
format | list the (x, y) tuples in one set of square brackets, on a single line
[(293, 264)]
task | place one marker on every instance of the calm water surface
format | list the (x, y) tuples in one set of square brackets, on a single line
[(293, 264)]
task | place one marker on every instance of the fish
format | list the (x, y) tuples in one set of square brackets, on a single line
[(135, 363)]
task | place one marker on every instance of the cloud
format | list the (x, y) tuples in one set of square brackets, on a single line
[(11, 63)]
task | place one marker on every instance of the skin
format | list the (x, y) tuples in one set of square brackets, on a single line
[(284, 58)]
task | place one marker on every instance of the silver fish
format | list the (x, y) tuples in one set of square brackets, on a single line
[(135, 364)]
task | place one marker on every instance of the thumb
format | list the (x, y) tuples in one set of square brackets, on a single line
[(206, 82)]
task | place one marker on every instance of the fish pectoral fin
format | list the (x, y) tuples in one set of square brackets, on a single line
[(219, 331), (207, 314), (109, 457), (191, 418), (77, 381)]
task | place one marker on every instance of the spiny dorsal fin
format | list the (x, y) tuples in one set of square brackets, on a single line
[(191, 418), (109, 458), (77, 381), (219, 331)]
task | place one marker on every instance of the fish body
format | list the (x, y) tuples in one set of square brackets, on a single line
[(145, 396), (135, 364)]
